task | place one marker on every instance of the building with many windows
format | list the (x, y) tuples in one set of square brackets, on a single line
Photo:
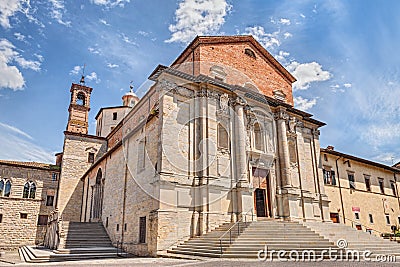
[(362, 193), (28, 193)]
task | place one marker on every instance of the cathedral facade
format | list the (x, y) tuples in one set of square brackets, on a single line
[(215, 139)]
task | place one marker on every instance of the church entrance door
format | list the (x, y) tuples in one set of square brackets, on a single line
[(262, 193)]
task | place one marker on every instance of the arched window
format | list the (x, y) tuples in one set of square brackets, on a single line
[(99, 176), (29, 190), (223, 137), (258, 137), (1, 187), (5, 187), (80, 99), (32, 193), (250, 53)]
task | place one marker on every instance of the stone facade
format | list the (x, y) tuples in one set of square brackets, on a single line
[(79, 152), (191, 155), (108, 118), (367, 205), (19, 213)]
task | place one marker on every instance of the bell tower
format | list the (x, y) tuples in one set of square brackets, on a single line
[(79, 108)]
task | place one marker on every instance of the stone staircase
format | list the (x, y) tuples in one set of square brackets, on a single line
[(356, 239), (253, 237), (79, 241)]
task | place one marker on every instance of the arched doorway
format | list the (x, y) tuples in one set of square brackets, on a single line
[(97, 198)]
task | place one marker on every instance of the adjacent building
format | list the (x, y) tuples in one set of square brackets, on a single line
[(28, 193), (362, 193)]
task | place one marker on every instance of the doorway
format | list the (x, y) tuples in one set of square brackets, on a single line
[(262, 199), (261, 208)]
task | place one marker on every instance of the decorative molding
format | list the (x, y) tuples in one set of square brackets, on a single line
[(281, 115)]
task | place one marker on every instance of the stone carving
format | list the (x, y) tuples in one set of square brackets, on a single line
[(281, 115), (240, 101), (316, 132), (292, 125), (224, 102)]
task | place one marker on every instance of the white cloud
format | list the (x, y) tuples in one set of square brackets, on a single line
[(7, 9), (268, 40), (76, 70), (28, 64), (303, 103), (143, 33), (93, 77), (127, 40), (387, 158), (57, 11), (284, 21), (197, 17), (347, 85), (282, 55), (302, 15), (94, 50), (15, 144), (307, 73), (110, 3), (103, 21), (10, 76), (19, 36), (287, 35), (112, 66), (382, 134)]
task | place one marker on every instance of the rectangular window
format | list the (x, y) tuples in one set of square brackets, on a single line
[(371, 219), (357, 215), (352, 184), (398, 219), (367, 183), (325, 157), (91, 157), (329, 177), (381, 185), (142, 230), (115, 115), (393, 186), (117, 227), (54, 176), (1, 218), (24, 215), (141, 155), (42, 220), (106, 222), (388, 219), (49, 200), (125, 227)]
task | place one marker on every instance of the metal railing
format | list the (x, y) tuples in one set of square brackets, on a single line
[(120, 250), (232, 231)]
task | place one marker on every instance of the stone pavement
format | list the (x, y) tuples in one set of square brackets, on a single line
[(12, 259)]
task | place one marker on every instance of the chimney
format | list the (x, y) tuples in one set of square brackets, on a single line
[(332, 148)]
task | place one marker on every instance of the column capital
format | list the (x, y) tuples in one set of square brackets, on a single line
[(281, 115)]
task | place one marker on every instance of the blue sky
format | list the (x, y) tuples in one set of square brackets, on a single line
[(343, 53)]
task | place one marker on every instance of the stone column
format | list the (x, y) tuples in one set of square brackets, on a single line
[(282, 116), (244, 196), (240, 134)]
